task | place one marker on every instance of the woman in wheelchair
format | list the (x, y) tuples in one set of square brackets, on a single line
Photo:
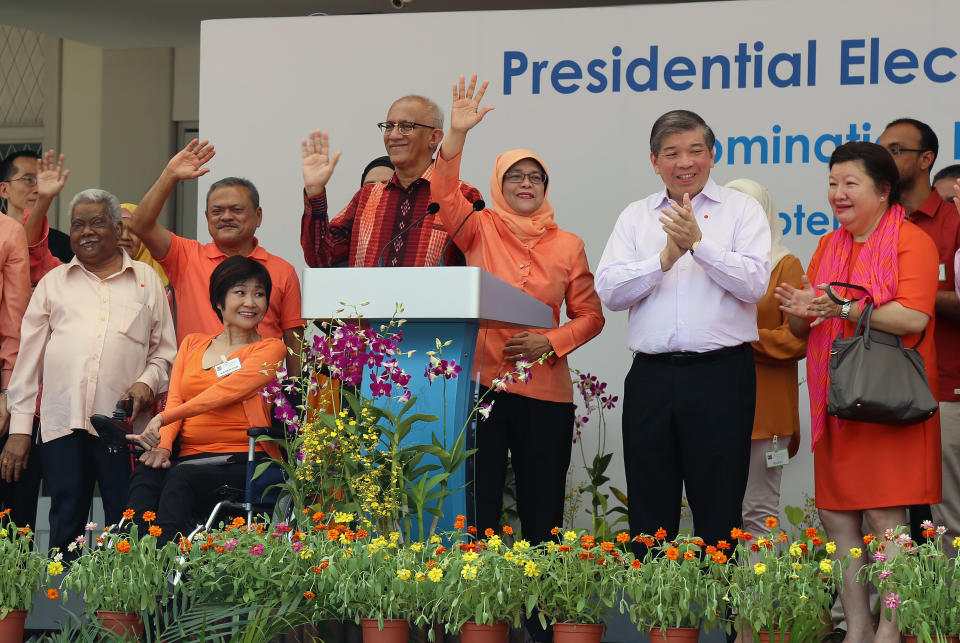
[(199, 442)]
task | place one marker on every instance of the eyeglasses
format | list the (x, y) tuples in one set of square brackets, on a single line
[(404, 127), (896, 149), (28, 181), (516, 176)]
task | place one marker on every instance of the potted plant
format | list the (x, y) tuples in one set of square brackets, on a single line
[(671, 592), (485, 587), (21, 573), (122, 575)]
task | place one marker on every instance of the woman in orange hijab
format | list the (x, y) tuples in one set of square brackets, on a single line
[(519, 242)]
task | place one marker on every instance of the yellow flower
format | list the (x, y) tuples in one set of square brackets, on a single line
[(435, 574), (802, 597), (795, 550), (825, 566), (521, 545), (420, 576), (469, 572), (55, 568), (797, 566), (343, 518), (856, 552), (508, 556), (552, 546), (530, 569), (3, 533), (494, 542), (794, 577), (404, 574), (470, 556), (956, 542), (435, 539), (416, 547), (394, 536), (831, 547), (306, 554), (759, 568), (570, 536)]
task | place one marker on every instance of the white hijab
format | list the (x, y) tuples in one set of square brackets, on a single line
[(777, 250)]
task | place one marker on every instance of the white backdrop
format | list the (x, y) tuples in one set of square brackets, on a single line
[(818, 72)]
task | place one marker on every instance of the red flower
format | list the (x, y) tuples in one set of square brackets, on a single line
[(324, 564), (723, 544), (362, 533), (816, 541), (811, 532), (431, 563), (440, 550), (746, 537), (869, 538), (720, 557), (554, 531), (472, 530), (318, 517), (606, 545), (661, 534), (585, 555), (689, 554), (754, 547), (736, 533), (563, 549), (317, 570), (711, 550), (648, 541), (184, 545), (636, 564)]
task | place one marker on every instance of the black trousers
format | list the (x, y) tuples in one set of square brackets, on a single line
[(179, 494), (71, 466), (21, 497), (687, 420), (538, 435)]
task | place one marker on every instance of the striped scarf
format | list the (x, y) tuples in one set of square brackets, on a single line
[(875, 269)]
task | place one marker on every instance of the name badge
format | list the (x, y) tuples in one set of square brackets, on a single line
[(225, 368), (943, 273), (777, 458)]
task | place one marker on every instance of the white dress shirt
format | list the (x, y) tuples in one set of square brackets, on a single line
[(706, 300)]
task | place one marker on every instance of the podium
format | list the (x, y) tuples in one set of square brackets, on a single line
[(450, 304)]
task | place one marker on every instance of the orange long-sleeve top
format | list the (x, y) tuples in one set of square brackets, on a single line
[(775, 357), (207, 414), (554, 270)]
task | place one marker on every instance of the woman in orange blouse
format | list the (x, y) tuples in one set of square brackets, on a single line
[(214, 398), (519, 242)]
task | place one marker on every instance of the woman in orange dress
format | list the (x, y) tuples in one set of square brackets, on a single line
[(864, 470)]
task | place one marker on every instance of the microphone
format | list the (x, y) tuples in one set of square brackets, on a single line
[(477, 206), (433, 208)]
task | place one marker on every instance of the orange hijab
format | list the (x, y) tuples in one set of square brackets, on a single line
[(527, 228)]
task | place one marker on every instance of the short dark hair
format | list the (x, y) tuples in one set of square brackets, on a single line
[(232, 271), (675, 121), (380, 161), (928, 138), (876, 162), (236, 181), (949, 172), (8, 169)]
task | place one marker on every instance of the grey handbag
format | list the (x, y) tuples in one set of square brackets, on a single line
[(874, 378)]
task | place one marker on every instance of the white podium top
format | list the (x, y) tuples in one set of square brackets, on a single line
[(447, 293)]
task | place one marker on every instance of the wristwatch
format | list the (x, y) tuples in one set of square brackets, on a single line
[(845, 309), (693, 248)]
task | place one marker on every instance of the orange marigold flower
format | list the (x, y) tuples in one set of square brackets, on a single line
[(689, 554), (782, 537), (804, 548), (305, 511), (220, 549), (350, 535), (746, 537), (100, 540), (563, 549), (362, 533), (185, 545), (318, 517), (648, 541), (149, 516), (209, 539), (929, 533), (869, 538), (699, 542), (587, 541), (296, 536), (155, 531), (673, 553), (431, 563), (324, 564), (53, 594), (817, 541), (623, 537), (317, 570), (123, 546), (606, 545), (636, 564), (661, 534), (711, 550), (554, 531), (4, 513), (811, 532), (723, 544), (508, 530), (23, 531), (440, 550), (488, 532), (719, 557), (129, 514), (770, 522), (601, 560), (472, 530), (239, 522), (460, 522), (736, 533), (585, 555), (309, 595), (333, 534)]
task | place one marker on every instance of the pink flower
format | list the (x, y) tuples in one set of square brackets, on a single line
[(231, 544), (484, 409), (256, 550), (884, 575), (892, 600), (297, 546), (879, 557)]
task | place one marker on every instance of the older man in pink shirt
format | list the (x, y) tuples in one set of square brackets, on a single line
[(96, 330)]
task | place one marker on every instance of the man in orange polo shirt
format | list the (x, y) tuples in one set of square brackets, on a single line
[(233, 216)]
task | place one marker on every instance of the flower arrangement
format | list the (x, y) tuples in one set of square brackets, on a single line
[(575, 578), (21, 567), (677, 584), (121, 570), (918, 583), (782, 585)]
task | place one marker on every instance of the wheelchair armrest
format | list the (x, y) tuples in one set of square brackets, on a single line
[(271, 431)]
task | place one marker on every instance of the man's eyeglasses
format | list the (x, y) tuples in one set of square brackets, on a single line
[(404, 127), (28, 181), (896, 149), (516, 176)]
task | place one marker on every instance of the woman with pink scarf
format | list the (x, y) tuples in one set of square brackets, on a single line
[(862, 470)]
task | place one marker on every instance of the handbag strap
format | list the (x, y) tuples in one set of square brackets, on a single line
[(865, 315), (841, 284)]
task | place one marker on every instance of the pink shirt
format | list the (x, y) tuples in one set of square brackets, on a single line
[(14, 292), (96, 338)]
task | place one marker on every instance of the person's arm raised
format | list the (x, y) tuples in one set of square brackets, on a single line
[(318, 165), (185, 165), (465, 114), (51, 177)]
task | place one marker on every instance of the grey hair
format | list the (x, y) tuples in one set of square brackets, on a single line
[(437, 112), (234, 182), (94, 195), (674, 122)]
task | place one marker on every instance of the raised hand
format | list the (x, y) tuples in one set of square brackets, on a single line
[(51, 177), (188, 163), (318, 165), (796, 301), (466, 111), (956, 192)]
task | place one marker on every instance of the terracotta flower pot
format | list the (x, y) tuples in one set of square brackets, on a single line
[(774, 637), (395, 630), (470, 632), (126, 624), (675, 635), (577, 632), (11, 626)]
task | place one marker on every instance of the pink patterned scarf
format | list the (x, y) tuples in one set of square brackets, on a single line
[(875, 269)]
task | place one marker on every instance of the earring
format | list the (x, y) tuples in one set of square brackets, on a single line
[(883, 198)]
